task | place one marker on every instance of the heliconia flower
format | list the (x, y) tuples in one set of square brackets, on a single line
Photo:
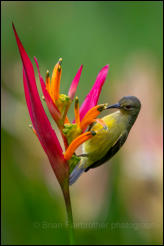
[(73, 134)]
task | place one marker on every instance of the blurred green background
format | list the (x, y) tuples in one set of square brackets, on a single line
[(118, 203)]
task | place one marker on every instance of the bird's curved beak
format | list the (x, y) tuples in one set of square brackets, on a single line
[(117, 105)]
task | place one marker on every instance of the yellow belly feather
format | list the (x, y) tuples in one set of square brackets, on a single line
[(99, 145)]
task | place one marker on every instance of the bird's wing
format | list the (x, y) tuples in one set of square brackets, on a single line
[(111, 152)]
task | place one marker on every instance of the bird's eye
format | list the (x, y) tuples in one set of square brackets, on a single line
[(127, 106)]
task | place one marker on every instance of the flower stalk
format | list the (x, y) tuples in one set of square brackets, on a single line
[(69, 224)]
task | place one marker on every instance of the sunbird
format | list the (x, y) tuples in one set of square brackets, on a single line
[(109, 139)]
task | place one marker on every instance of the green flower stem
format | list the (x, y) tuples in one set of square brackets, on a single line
[(70, 225)]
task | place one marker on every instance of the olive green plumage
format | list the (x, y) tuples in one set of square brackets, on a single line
[(106, 143)]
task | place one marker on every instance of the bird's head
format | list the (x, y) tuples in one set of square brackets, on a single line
[(130, 105)]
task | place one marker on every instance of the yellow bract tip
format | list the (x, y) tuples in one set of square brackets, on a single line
[(60, 60), (76, 101), (47, 73), (59, 68), (34, 131)]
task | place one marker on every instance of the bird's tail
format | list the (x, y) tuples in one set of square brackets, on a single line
[(78, 170)]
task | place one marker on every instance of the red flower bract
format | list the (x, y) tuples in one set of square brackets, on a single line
[(93, 96), (41, 124)]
